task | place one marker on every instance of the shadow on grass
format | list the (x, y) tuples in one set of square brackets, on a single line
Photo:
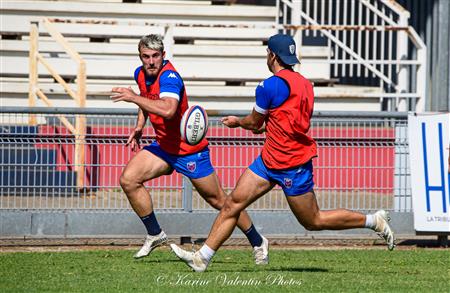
[(425, 243), (158, 261), (271, 270), (298, 269)]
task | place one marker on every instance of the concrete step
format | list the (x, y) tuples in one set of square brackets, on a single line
[(161, 11), (86, 48), (17, 89), (191, 68)]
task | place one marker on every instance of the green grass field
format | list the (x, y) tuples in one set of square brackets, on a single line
[(374, 270)]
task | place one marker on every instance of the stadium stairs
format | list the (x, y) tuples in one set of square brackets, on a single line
[(218, 49)]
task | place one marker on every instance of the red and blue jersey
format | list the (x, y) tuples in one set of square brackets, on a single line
[(168, 83), (287, 100)]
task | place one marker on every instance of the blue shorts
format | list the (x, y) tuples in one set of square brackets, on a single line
[(294, 181), (193, 166)]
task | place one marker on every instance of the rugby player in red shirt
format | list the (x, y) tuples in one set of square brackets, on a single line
[(284, 106), (163, 98)]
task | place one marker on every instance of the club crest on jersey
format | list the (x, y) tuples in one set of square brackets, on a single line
[(292, 49), (288, 182), (191, 166)]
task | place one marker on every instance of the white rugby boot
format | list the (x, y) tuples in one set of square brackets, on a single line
[(261, 253), (151, 242), (383, 229), (192, 259)]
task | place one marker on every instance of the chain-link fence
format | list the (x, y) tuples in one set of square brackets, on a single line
[(362, 161)]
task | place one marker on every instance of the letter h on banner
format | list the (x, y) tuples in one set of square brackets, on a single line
[(429, 188)]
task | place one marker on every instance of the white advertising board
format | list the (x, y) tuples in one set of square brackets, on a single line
[(429, 136)]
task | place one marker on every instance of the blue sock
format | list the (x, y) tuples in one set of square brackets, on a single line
[(253, 236), (151, 224)]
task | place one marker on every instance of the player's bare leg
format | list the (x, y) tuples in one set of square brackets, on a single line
[(141, 168), (249, 188), (210, 189), (307, 212)]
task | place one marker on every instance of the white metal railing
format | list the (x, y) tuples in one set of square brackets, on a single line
[(369, 42), (361, 161)]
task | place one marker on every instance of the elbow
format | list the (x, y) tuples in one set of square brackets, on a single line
[(168, 114)]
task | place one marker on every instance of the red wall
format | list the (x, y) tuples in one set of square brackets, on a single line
[(348, 158)]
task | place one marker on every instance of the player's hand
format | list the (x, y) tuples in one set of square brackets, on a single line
[(123, 94), (231, 121), (133, 139)]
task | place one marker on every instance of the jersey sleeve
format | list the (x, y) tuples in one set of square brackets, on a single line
[(262, 100), (170, 85), (136, 73), (270, 94)]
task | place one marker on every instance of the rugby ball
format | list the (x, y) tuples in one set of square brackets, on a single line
[(194, 125)]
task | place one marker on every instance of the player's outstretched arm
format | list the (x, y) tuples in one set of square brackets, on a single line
[(164, 107), (253, 122)]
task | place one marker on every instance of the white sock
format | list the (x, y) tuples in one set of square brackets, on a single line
[(370, 221), (206, 252)]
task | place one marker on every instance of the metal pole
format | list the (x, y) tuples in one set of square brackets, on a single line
[(169, 41), (187, 194), (421, 74), (295, 20), (442, 94), (402, 54)]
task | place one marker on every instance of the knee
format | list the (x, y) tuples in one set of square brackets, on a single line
[(216, 199), (127, 182), (231, 207), (216, 202)]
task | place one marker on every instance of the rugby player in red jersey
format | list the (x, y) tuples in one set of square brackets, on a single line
[(163, 98), (284, 106)]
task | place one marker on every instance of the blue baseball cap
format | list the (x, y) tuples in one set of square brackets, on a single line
[(284, 47)]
